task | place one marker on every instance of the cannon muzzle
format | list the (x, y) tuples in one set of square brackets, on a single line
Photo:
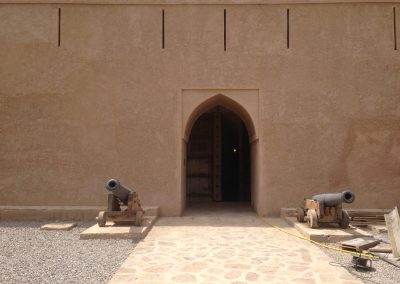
[(334, 199), (119, 191)]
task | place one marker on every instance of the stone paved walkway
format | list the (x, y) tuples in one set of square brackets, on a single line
[(222, 245)]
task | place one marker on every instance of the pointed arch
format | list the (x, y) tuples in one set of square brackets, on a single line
[(226, 102)]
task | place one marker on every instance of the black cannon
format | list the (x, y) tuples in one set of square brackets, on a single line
[(120, 192), (118, 198), (326, 208)]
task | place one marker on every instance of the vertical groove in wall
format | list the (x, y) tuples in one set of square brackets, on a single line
[(394, 28), (163, 29), (287, 29), (59, 26), (225, 29)]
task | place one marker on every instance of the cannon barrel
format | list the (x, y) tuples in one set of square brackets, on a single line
[(333, 199), (119, 191)]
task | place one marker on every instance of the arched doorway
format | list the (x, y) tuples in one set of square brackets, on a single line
[(218, 158)]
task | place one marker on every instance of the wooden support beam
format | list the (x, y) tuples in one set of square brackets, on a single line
[(393, 226)]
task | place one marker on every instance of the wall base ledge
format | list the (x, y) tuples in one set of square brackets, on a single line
[(64, 213), (191, 2)]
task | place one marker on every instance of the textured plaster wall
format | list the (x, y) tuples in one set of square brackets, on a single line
[(107, 102)]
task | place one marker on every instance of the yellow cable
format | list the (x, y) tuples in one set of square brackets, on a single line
[(319, 244)]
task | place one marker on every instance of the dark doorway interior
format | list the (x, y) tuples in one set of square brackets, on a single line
[(218, 158)]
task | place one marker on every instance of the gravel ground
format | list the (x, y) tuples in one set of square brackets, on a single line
[(382, 272), (30, 255)]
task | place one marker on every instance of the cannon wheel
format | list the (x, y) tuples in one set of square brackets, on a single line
[(138, 218), (101, 219), (312, 218), (300, 215), (345, 222)]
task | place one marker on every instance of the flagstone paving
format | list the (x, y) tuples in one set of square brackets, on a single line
[(226, 246)]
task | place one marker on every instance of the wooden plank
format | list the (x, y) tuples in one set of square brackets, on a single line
[(360, 244), (367, 245), (365, 217), (393, 226), (365, 224), (369, 218), (368, 222), (382, 250), (368, 211)]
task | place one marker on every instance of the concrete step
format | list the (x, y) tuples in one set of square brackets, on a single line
[(112, 231), (327, 234)]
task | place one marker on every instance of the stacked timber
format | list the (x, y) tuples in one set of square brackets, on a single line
[(365, 217)]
